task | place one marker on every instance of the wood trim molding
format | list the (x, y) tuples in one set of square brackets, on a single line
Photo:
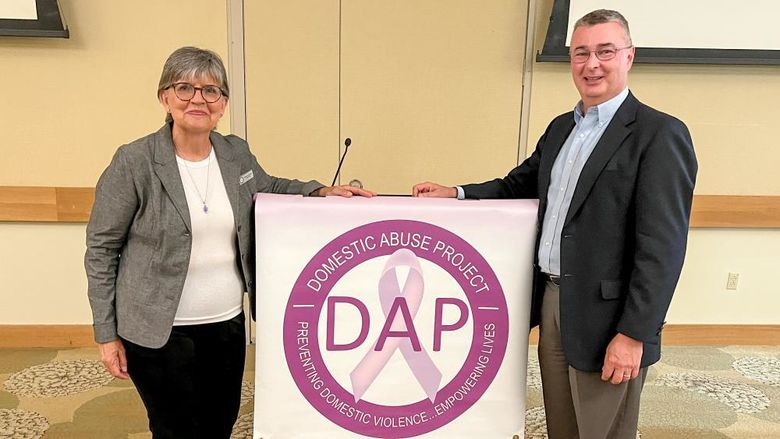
[(728, 211), (46, 336), (73, 204), (46, 204), (700, 335), (710, 335)]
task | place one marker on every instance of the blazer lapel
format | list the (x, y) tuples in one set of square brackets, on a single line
[(230, 169), (167, 171), (610, 142)]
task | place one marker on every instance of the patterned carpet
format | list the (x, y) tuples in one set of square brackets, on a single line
[(695, 392)]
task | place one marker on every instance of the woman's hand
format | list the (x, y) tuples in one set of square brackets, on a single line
[(112, 354), (344, 191)]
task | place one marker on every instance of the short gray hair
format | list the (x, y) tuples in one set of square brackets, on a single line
[(601, 16), (192, 62)]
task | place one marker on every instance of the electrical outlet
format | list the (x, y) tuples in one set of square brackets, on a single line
[(731, 282)]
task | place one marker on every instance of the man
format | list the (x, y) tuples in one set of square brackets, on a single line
[(615, 182)]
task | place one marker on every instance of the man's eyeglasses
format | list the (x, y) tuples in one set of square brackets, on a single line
[(603, 53), (186, 91)]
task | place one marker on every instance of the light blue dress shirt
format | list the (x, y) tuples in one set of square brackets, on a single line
[(566, 171)]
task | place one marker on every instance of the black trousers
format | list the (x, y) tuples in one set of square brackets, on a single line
[(191, 386)]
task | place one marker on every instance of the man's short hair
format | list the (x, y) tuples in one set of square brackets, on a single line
[(601, 16)]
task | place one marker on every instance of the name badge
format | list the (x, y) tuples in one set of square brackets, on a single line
[(245, 177)]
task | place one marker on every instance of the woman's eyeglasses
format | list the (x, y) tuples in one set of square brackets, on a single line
[(186, 91)]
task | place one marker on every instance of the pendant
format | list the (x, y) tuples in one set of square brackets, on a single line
[(205, 209)]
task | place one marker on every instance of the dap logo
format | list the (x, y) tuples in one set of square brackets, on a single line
[(395, 328)]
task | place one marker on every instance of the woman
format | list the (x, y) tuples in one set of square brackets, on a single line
[(170, 253)]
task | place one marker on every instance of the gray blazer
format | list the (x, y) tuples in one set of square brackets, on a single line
[(139, 234)]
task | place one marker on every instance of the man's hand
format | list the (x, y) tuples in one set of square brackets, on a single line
[(433, 190), (622, 360), (344, 191), (112, 354)]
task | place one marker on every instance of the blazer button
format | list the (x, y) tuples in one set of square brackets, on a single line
[(250, 284), (187, 234)]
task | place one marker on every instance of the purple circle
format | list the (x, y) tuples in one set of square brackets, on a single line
[(488, 309)]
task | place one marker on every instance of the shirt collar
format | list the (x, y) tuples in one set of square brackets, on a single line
[(605, 110)]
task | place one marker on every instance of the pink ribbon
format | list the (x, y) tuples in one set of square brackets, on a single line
[(420, 363)]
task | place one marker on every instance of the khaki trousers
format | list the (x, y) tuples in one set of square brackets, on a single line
[(579, 405)]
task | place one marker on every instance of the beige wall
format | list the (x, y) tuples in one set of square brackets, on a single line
[(434, 87), (701, 295), (42, 277), (67, 118), (292, 71), (406, 82), (74, 101)]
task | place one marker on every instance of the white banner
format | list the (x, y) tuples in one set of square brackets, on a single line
[(392, 317)]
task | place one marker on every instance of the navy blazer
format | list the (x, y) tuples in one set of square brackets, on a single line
[(624, 237)]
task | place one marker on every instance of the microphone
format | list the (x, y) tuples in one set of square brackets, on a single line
[(347, 142)]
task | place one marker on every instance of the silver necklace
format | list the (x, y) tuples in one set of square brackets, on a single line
[(195, 185)]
